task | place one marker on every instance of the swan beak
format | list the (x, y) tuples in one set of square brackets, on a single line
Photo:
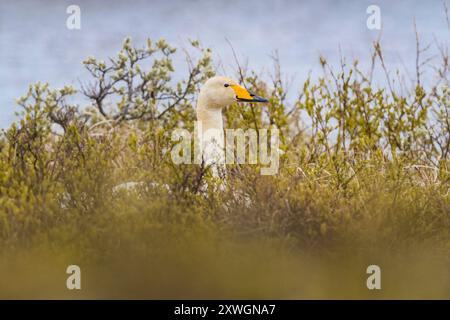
[(243, 94)]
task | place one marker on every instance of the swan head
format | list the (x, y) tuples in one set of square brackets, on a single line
[(219, 92)]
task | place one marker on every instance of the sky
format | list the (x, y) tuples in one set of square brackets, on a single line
[(36, 45)]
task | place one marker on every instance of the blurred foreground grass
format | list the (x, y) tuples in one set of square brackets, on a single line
[(134, 248), (210, 268)]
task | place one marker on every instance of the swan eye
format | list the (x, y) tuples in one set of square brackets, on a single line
[(226, 85)]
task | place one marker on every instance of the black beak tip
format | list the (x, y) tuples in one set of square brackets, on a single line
[(254, 99), (258, 98), (261, 99)]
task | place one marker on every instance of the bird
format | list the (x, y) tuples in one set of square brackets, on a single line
[(216, 94)]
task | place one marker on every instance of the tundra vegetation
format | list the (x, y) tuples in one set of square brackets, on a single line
[(364, 179)]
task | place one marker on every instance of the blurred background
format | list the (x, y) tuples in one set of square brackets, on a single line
[(35, 43)]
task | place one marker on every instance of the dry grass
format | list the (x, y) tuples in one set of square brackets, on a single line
[(364, 180)]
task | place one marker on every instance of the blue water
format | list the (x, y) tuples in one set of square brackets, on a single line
[(35, 44)]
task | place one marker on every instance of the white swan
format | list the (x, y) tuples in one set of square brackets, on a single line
[(216, 94)]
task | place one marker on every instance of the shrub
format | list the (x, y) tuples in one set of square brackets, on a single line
[(364, 169)]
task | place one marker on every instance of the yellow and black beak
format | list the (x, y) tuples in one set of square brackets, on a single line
[(243, 94)]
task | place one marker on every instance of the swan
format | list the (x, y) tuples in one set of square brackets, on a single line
[(216, 94)]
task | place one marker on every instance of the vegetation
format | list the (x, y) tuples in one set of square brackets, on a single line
[(364, 179)]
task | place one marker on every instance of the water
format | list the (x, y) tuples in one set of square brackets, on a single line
[(35, 44)]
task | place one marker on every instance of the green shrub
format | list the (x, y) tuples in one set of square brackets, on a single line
[(364, 174)]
